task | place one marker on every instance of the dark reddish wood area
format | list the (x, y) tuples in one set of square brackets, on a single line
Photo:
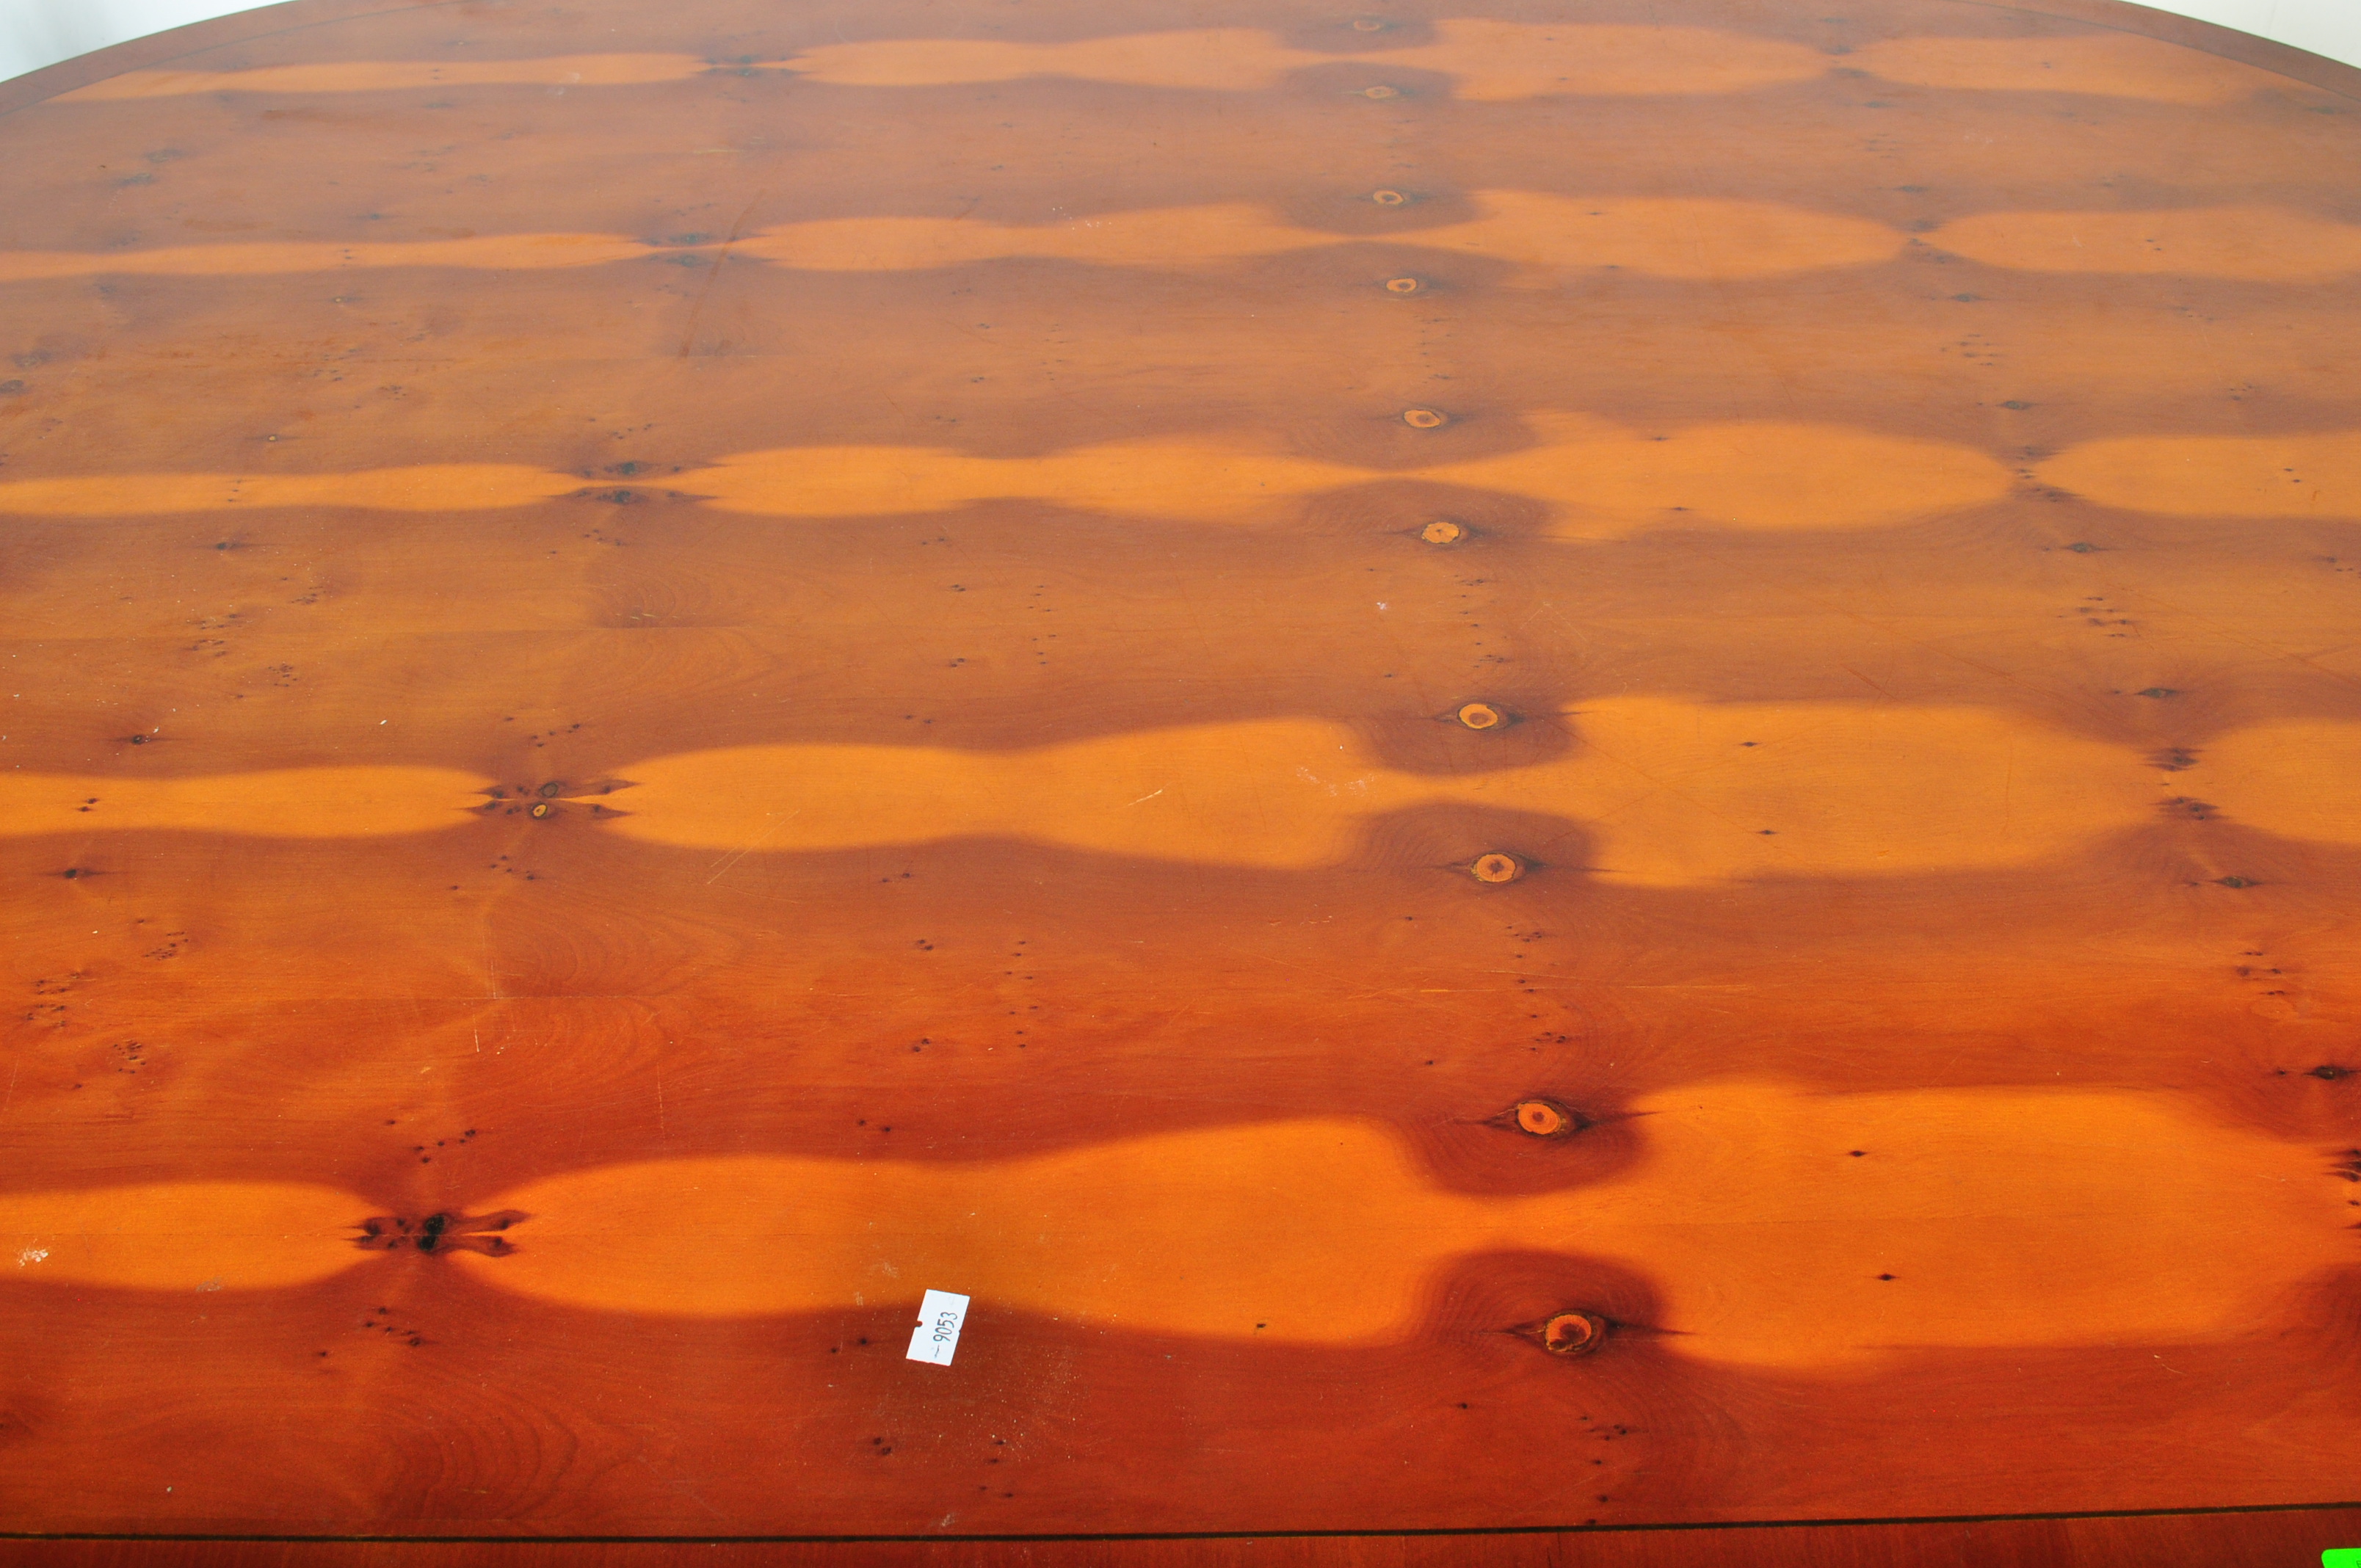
[(2229, 1541)]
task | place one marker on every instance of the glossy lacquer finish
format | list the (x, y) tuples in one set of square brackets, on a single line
[(1588, 765)]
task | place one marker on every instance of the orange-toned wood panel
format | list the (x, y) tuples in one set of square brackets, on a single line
[(2259, 1539), (1328, 703)]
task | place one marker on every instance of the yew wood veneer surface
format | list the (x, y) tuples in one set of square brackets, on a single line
[(1573, 767)]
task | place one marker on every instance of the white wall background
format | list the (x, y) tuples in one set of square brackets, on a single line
[(2332, 27), (33, 33)]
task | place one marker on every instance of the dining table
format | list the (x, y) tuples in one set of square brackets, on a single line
[(1233, 783)]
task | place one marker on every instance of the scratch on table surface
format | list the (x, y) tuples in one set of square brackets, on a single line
[(760, 839), (2231, 634), (713, 275), (1864, 680), (2009, 792)]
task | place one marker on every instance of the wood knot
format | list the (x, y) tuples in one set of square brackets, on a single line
[(1388, 197), (1424, 419), (1497, 867), (444, 1232), (1479, 716), (1401, 285), (1543, 1118), (1568, 1333), (1442, 530)]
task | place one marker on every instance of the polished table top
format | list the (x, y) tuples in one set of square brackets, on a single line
[(1580, 767)]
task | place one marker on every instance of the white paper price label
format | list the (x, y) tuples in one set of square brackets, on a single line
[(937, 1335)]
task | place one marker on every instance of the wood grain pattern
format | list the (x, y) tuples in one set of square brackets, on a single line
[(2266, 1540), (1518, 772)]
